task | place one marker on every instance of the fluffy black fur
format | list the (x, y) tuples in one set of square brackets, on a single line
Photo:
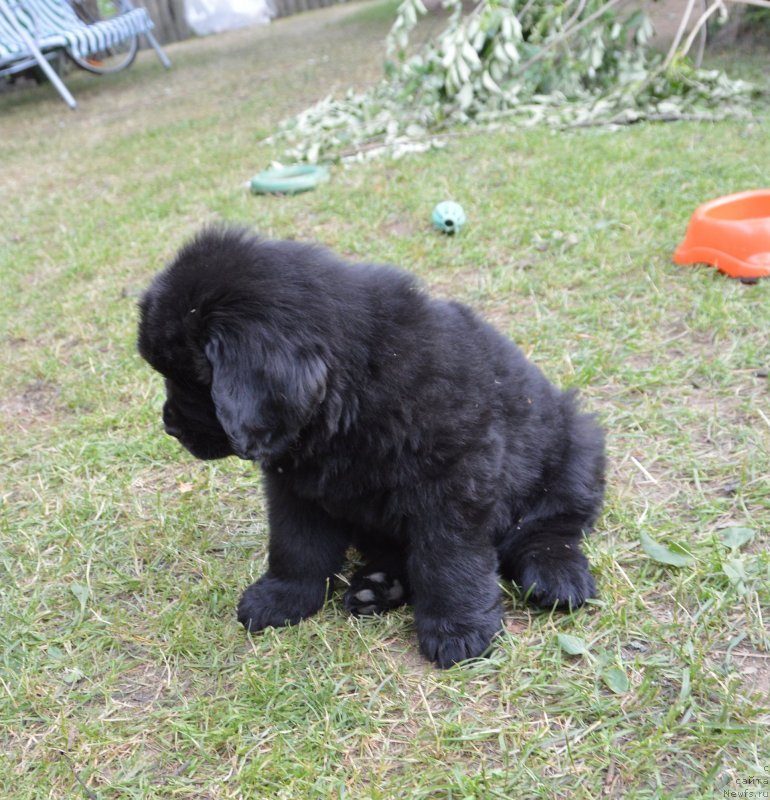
[(381, 418)]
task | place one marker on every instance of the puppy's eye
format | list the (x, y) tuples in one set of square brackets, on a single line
[(186, 384)]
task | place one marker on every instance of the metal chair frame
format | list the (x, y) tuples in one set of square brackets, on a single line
[(27, 39)]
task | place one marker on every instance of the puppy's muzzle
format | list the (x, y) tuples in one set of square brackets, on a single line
[(170, 423)]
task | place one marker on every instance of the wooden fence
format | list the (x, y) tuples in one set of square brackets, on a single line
[(171, 25), (285, 8), (169, 19)]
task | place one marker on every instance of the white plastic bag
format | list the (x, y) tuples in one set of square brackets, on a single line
[(215, 16)]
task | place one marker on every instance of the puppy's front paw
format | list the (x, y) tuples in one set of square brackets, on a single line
[(274, 602), (447, 642)]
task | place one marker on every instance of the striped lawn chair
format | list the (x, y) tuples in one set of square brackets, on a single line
[(32, 31)]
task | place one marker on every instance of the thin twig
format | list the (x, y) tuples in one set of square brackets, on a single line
[(680, 33), (576, 15), (495, 123), (643, 470), (430, 713), (566, 34), (526, 8), (621, 119), (699, 26), (71, 765)]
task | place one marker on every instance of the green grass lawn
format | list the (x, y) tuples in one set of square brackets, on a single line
[(124, 672)]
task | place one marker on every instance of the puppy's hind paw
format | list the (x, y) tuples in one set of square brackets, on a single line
[(374, 593), (565, 584)]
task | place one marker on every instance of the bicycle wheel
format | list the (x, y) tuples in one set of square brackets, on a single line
[(112, 59)]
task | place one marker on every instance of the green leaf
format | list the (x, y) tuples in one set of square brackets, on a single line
[(572, 645), (73, 675), (736, 537), (82, 593), (616, 680), (684, 692), (465, 96), (735, 570), (664, 555)]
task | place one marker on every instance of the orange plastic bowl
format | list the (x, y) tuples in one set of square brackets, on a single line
[(732, 234)]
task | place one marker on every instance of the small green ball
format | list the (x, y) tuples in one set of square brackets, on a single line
[(448, 217)]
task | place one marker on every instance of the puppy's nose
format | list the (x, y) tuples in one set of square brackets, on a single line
[(169, 422), (172, 431)]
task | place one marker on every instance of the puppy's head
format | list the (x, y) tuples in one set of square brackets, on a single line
[(224, 324)]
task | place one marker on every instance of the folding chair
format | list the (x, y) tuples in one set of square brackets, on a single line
[(19, 52), (32, 31)]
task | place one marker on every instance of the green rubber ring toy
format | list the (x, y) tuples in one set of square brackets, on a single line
[(289, 180)]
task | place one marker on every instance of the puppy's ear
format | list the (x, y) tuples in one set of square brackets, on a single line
[(263, 395)]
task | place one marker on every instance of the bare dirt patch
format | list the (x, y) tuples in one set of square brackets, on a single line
[(37, 402), (755, 672), (142, 686)]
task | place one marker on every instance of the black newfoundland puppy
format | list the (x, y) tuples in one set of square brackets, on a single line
[(381, 418)]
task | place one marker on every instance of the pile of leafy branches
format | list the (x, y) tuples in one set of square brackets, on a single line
[(568, 63)]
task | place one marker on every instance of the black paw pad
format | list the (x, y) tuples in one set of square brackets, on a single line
[(374, 593)]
